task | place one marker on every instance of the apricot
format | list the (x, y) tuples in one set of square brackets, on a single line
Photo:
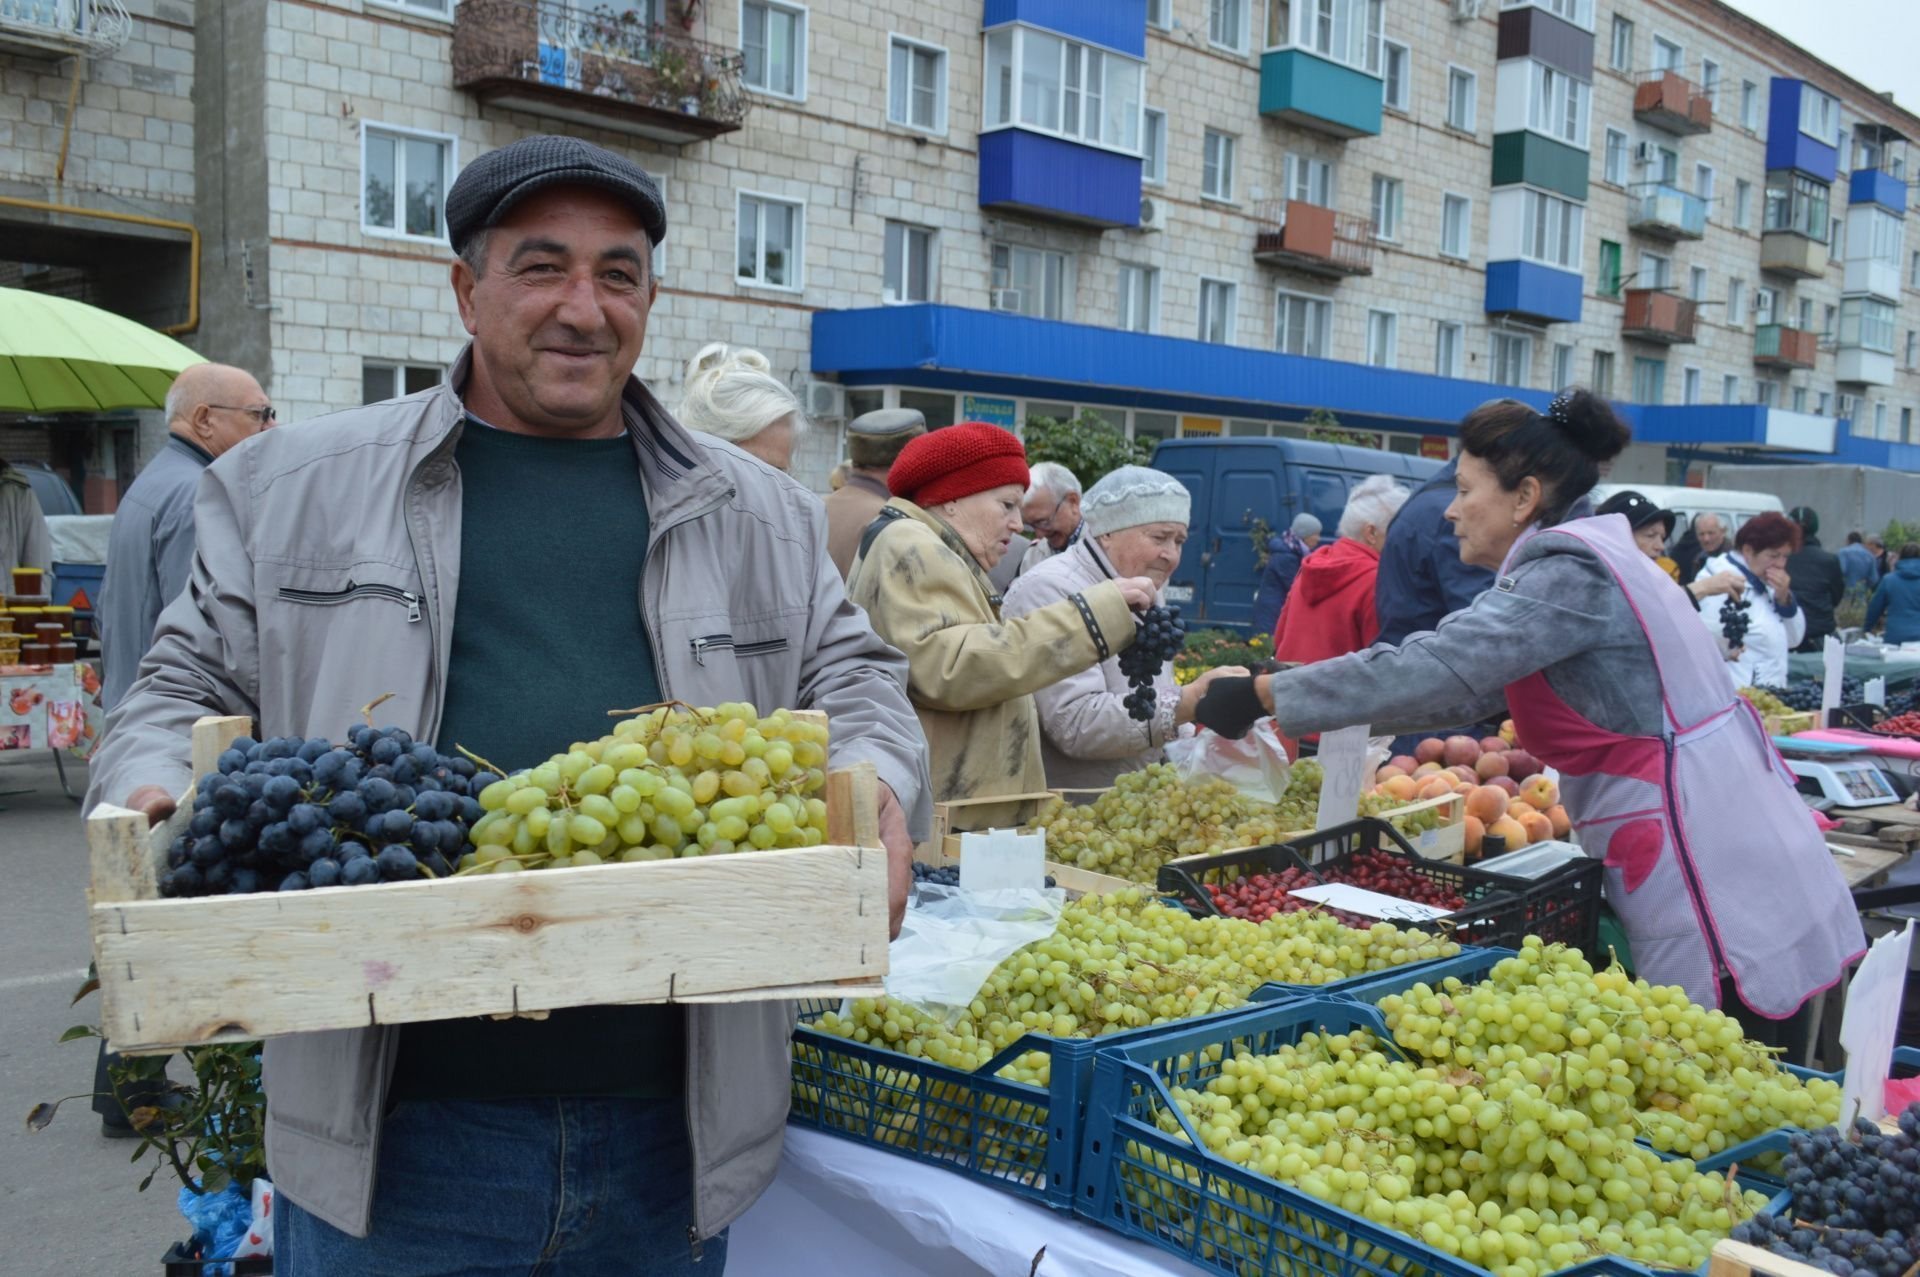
[(1561, 825), (1512, 830), (1440, 786), (1541, 792), (1400, 787), (1486, 804), (1475, 832), (1539, 828)]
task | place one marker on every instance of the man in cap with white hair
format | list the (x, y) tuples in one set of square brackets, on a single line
[(1285, 554), (428, 547), (874, 439), (1133, 523)]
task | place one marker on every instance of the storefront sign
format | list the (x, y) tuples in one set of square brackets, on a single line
[(1434, 447), (1191, 426), (990, 409)]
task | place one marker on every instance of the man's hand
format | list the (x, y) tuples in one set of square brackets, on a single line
[(151, 801), (1138, 591), (1190, 694), (899, 845)]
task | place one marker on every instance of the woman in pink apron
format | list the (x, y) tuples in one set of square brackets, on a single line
[(1714, 864)]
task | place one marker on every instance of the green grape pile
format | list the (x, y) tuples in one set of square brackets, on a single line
[(1152, 816), (1493, 1166), (1766, 702), (674, 781), (1624, 1051), (1382, 806)]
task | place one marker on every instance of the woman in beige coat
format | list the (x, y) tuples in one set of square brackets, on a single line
[(921, 574)]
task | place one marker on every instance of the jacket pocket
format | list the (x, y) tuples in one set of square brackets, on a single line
[(352, 591), (711, 644)]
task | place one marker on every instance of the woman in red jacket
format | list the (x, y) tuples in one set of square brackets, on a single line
[(1330, 611)]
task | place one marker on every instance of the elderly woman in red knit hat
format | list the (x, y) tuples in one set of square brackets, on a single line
[(921, 574)]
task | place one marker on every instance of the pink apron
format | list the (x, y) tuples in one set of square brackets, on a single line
[(1713, 862)]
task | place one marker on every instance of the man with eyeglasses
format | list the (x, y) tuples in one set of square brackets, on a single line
[(1051, 511)]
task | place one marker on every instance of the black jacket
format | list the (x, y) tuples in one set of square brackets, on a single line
[(1819, 583), (1421, 576)]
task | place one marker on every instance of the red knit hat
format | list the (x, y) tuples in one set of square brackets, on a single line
[(945, 465)]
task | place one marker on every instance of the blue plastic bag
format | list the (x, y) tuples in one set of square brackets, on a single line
[(220, 1221)]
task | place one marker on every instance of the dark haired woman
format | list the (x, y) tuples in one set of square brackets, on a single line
[(1775, 623), (1713, 863)]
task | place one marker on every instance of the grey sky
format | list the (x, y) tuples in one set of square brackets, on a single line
[(1874, 41)]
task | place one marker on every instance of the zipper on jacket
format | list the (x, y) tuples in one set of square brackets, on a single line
[(700, 645), (327, 598), (1692, 876), (695, 1247)]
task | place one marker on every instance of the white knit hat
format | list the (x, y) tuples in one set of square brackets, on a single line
[(1131, 496)]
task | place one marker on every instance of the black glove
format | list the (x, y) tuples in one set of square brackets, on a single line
[(1230, 706)]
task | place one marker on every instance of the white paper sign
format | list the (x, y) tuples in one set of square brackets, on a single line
[(1370, 904), (1835, 654), (1869, 1025), (1876, 692), (1343, 760), (1003, 860)]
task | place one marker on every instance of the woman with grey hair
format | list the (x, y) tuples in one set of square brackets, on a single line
[(1330, 610), (731, 393)]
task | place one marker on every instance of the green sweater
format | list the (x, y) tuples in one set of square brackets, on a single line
[(547, 637)]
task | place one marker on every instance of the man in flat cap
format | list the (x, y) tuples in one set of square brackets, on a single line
[(515, 552), (874, 439)]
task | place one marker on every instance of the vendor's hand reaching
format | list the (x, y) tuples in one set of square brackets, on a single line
[(1190, 694), (1730, 583), (151, 801), (1138, 591), (899, 845), (1231, 706)]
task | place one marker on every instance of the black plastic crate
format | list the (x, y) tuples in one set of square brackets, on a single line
[(1561, 907), (181, 1261), (1189, 879), (1861, 717)]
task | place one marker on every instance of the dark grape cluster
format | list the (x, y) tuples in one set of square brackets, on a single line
[(1735, 620), (1856, 1201), (946, 875), (287, 814), (1803, 694), (1158, 637)]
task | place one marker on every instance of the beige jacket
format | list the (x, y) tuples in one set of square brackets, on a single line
[(362, 509), (970, 674), (849, 511)]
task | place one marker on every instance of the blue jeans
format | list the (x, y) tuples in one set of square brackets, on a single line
[(518, 1188)]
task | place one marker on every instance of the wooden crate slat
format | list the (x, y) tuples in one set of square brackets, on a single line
[(1738, 1259)]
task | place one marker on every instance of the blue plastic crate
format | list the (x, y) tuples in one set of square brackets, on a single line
[(1469, 964), (1175, 1194)]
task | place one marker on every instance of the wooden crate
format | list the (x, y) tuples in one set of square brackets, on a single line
[(944, 847), (1738, 1259), (1788, 724), (1449, 841), (802, 923)]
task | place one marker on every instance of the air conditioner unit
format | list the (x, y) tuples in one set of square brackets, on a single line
[(1005, 299), (1153, 214), (1466, 10), (1646, 153), (826, 401)]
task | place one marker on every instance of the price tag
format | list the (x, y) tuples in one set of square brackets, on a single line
[(1834, 652), (1003, 860), (1369, 904), (1343, 760), (1876, 692)]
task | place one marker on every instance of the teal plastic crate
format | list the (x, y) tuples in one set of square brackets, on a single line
[(1176, 1195), (1469, 959)]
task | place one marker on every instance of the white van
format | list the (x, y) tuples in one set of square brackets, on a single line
[(1687, 503)]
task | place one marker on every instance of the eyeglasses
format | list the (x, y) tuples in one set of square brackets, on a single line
[(260, 415), (1046, 524)]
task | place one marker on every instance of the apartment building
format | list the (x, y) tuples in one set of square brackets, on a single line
[(1185, 216)]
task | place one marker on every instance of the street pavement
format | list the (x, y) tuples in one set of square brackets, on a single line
[(67, 1194)]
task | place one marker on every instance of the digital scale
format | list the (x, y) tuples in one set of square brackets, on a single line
[(1836, 775)]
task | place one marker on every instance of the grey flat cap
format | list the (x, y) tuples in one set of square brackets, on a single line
[(884, 422), (488, 188)]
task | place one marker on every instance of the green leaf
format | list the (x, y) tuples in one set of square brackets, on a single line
[(215, 1180), (148, 1181), (40, 1114), (79, 1031)]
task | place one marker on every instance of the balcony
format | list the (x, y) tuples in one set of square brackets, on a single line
[(1672, 103), (593, 69), (1793, 254), (62, 28), (1315, 93), (1782, 346), (1312, 240), (1667, 212), (1658, 316)]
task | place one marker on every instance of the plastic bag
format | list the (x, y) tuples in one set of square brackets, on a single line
[(951, 940), (1256, 764), (1869, 1024), (259, 1235), (220, 1223)]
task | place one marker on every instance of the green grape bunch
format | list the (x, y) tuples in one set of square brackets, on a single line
[(673, 781)]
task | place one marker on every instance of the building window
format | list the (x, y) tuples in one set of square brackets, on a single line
[(1609, 268), (1656, 271), (1881, 235), (1383, 338), (1798, 203), (1216, 166), (1614, 163), (1913, 271), (1160, 14), (380, 382), (1799, 398), (1911, 336), (1030, 281), (1867, 323), (1828, 319), (1843, 408), (1689, 385), (1343, 31), (1227, 24), (1512, 358), (1562, 365), (1766, 302), (1819, 115), (1743, 204), (1387, 196), (769, 242), (1139, 298), (1153, 147), (1456, 226), (1038, 81), (773, 42), (1620, 55), (912, 262), (1822, 402), (1218, 298), (1703, 177), (1806, 315), (1448, 343), (1462, 87), (1603, 373), (1749, 106), (1300, 325), (1550, 230), (403, 182), (1768, 391), (1729, 389), (1397, 63), (1649, 380), (1906, 426), (1710, 81), (1668, 56), (1736, 303), (1667, 171), (1308, 180), (1557, 105), (1697, 283), (917, 85)]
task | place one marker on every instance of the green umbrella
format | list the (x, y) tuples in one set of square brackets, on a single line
[(66, 356)]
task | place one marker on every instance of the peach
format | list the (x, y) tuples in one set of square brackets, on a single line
[(1401, 787), (1541, 792), (1539, 828), (1464, 787), (1506, 784), (1430, 750), (1561, 825), (1426, 769), (1440, 786), (1491, 765), (1486, 804), (1510, 829), (1387, 773), (1508, 733), (1475, 832), (1519, 807), (1493, 745), (1461, 751), (1521, 764), (1405, 762), (1465, 773)]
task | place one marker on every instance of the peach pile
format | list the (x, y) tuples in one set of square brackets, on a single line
[(1506, 792)]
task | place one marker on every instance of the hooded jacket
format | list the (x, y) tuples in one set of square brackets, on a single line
[(1898, 599), (1285, 553), (1421, 576), (1330, 610)]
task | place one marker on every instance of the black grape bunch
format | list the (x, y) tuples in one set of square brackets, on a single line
[(287, 814), (1158, 637), (1856, 1201), (1735, 620)]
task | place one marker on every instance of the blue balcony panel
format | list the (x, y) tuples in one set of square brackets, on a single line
[(1316, 94), (1877, 186), (1115, 24), (1052, 178), (1532, 291), (1787, 146), (1733, 426)]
